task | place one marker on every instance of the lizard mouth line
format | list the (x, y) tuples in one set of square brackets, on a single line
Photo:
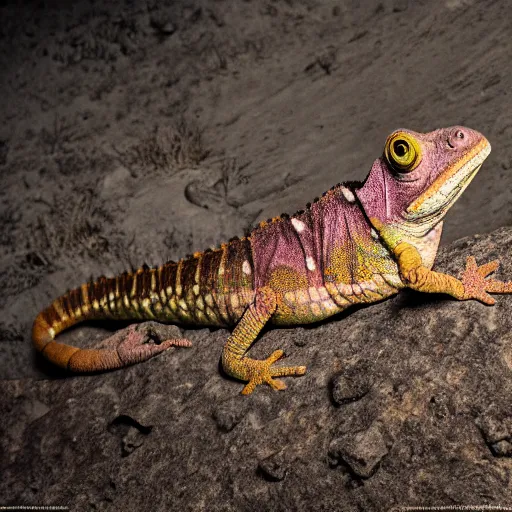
[(450, 185)]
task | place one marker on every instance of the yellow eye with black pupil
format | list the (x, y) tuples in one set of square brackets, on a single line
[(402, 151)]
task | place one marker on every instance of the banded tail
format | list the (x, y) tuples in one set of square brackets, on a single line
[(210, 288), (121, 297)]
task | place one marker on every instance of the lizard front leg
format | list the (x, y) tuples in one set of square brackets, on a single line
[(234, 361), (473, 285)]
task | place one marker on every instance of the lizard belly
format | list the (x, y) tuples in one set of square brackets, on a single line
[(305, 306), (317, 303)]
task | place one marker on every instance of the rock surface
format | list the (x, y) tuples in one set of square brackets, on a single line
[(428, 420)]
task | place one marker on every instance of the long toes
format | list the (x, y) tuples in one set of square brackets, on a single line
[(471, 263), (132, 340), (486, 298), (275, 356), (249, 388), (132, 355), (276, 384), (159, 330), (495, 286), (288, 370), (488, 268), (179, 342)]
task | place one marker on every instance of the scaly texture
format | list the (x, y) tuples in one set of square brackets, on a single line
[(358, 243)]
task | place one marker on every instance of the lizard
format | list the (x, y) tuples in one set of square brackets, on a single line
[(361, 242)]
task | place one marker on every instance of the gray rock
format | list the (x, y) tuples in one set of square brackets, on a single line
[(362, 452), (173, 433)]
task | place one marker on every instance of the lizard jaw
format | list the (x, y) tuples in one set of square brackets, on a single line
[(448, 187)]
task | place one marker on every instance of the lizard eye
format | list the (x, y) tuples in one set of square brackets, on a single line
[(402, 151)]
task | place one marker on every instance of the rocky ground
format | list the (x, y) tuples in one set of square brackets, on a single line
[(141, 131), (406, 402)]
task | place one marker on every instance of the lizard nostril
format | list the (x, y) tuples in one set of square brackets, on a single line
[(459, 134)]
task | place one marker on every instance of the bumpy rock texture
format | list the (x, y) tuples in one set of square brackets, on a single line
[(406, 402), (139, 131)]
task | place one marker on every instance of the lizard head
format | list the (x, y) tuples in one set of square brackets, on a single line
[(420, 176)]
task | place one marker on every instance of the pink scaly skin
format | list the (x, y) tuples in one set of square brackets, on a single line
[(358, 243)]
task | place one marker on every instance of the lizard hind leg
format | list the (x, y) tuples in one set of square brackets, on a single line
[(255, 371), (140, 342), (132, 345)]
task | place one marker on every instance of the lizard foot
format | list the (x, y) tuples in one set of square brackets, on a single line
[(139, 342), (476, 285), (261, 372)]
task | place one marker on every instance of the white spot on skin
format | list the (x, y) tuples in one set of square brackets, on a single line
[(246, 268), (374, 233), (310, 263), (349, 196), (344, 289), (298, 225)]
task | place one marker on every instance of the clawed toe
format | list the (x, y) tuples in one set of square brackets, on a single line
[(262, 372), (275, 356), (138, 345), (476, 286), (488, 268)]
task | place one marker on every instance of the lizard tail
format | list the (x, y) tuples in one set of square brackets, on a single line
[(90, 301), (174, 292), (146, 294)]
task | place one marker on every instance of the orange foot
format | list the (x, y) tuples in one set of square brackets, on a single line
[(476, 286), (261, 372)]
